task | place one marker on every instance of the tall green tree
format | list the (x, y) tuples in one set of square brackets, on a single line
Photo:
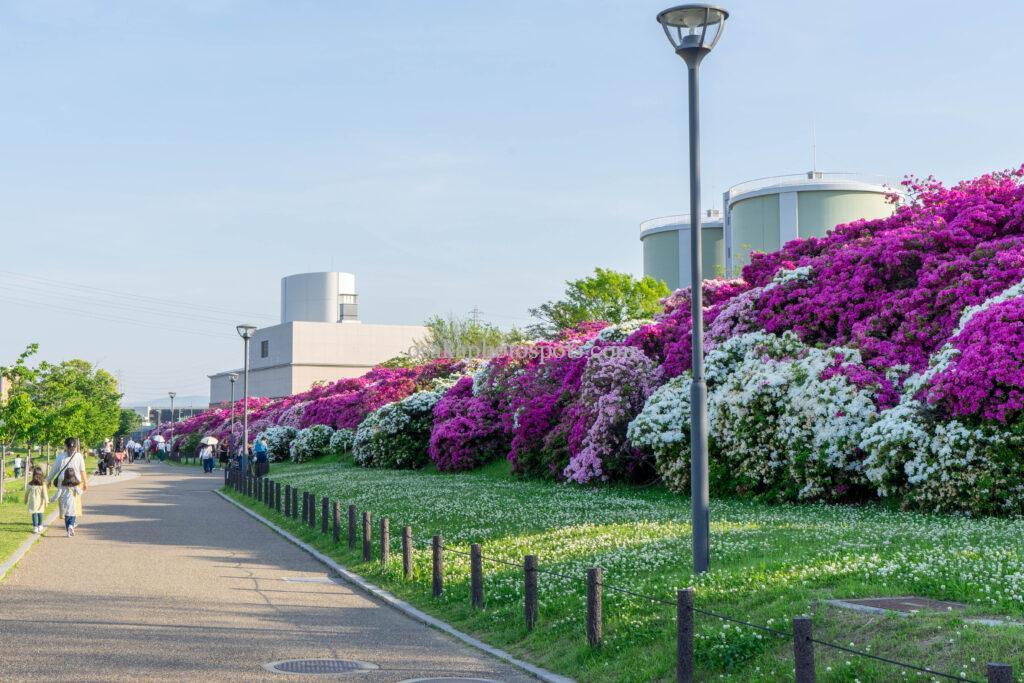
[(128, 422), (19, 416), (77, 400), (606, 295), (458, 337)]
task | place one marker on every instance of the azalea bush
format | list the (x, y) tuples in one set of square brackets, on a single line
[(311, 442), (342, 440), (279, 441), (397, 434), (883, 360)]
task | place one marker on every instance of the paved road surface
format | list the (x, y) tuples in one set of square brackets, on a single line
[(166, 581)]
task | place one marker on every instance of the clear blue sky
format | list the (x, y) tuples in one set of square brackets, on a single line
[(451, 154)]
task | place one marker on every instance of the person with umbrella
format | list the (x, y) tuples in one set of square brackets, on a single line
[(206, 453)]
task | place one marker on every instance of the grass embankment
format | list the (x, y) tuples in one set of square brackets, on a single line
[(15, 522), (770, 563)]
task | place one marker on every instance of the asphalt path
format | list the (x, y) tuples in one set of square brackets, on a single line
[(166, 581)]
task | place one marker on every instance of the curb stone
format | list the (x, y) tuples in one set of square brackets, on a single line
[(402, 606)]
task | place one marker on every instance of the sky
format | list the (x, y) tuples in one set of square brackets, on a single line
[(164, 164)]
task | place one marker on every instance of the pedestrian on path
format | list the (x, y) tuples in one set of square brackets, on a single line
[(68, 475), (206, 456), (17, 466), (35, 498), (224, 455), (261, 454)]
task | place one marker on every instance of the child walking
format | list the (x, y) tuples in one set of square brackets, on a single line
[(35, 498)]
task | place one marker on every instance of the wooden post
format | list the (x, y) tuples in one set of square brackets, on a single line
[(803, 650), (324, 514), (530, 592), (476, 576), (295, 503), (438, 569), (999, 673), (367, 537), (407, 552), (385, 540), (684, 636), (336, 521), (277, 497), (594, 616), (351, 526), (287, 500)]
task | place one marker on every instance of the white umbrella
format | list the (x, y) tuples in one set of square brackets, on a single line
[(209, 441), (157, 438)]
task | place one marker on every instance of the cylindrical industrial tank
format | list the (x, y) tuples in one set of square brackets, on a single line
[(666, 245), (762, 215), (318, 297)]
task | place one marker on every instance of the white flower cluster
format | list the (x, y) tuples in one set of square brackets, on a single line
[(341, 441), (776, 425), (397, 434), (311, 442), (620, 331), (784, 276), (663, 428), (1013, 292), (279, 441)]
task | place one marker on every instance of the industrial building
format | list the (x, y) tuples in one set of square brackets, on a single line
[(761, 215), (320, 339)]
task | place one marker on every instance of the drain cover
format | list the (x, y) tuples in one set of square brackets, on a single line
[(319, 666), (449, 680), (904, 604)]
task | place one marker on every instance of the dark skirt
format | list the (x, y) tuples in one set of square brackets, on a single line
[(262, 469)]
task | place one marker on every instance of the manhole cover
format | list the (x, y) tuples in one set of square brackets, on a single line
[(903, 605), (318, 666)]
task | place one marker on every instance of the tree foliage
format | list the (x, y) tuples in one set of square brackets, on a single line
[(606, 295), (128, 422)]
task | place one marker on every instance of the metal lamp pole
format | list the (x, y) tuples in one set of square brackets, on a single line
[(245, 332), (693, 30), (171, 394), (233, 377)]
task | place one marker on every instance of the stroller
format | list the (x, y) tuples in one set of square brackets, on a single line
[(113, 465)]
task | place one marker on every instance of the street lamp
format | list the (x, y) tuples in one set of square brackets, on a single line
[(245, 332), (232, 377), (172, 394), (693, 30)]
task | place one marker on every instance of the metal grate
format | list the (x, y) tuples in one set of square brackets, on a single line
[(319, 666)]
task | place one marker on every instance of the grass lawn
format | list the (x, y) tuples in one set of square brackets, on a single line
[(769, 563)]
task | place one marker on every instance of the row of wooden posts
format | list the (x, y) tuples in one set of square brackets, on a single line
[(272, 493)]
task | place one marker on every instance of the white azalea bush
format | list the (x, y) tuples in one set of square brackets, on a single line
[(279, 441), (778, 429), (663, 429), (398, 434), (311, 442), (342, 440)]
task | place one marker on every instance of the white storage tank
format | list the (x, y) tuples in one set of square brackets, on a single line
[(666, 244), (319, 297), (763, 214)]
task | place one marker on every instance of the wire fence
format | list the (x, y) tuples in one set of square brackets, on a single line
[(270, 493)]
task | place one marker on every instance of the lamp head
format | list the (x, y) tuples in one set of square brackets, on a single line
[(172, 394), (693, 30), (245, 331), (233, 377)]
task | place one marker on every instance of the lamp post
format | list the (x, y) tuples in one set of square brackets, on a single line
[(245, 332), (172, 394), (232, 377), (693, 30)]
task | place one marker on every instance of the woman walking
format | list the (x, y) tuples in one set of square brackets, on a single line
[(68, 475)]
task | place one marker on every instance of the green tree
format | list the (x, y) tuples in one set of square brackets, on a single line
[(77, 400), (19, 416), (128, 422), (606, 295), (456, 337)]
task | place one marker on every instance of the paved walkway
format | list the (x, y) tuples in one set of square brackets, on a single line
[(165, 581)]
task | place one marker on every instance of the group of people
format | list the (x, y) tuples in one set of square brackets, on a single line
[(260, 452), (68, 479)]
